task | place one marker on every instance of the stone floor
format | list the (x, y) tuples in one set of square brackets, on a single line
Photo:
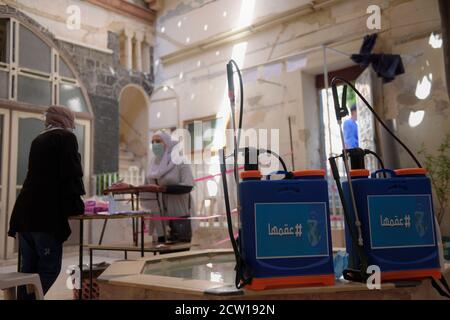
[(59, 290)]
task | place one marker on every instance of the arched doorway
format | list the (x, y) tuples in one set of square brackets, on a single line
[(133, 131)]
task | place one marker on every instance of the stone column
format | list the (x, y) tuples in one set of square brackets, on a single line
[(139, 37), (146, 54), (128, 49)]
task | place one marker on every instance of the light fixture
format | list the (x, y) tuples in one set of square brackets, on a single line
[(423, 88), (181, 75), (205, 27), (224, 14), (188, 40), (179, 24), (165, 88), (435, 41), (416, 118), (199, 63), (158, 115), (163, 29), (217, 52)]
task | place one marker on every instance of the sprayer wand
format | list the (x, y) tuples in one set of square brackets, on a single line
[(243, 272), (341, 111)]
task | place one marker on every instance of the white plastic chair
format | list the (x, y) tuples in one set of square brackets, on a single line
[(9, 281)]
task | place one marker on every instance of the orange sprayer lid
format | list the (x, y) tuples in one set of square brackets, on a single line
[(359, 173), (250, 174), (410, 171), (309, 173)]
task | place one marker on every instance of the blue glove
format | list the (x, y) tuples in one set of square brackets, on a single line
[(340, 262)]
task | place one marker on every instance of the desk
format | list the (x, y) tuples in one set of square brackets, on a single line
[(134, 193), (82, 218), (134, 214)]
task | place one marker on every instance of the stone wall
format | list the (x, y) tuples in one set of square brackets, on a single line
[(270, 100), (95, 21), (103, 77)]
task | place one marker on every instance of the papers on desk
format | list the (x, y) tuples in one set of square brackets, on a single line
[(106, 213), (132, 212)]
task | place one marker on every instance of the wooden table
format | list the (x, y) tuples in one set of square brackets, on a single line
[(134, 192), (134, 214), (82, 218)]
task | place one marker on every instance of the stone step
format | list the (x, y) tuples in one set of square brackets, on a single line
[(125, 171), (129, 163), (126, 155)]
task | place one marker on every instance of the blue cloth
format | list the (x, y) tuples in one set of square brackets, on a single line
[(340, 263), (351, 134), (42, 254)]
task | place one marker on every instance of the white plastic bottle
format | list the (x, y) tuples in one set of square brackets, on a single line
[(112, 206), (154, 235)]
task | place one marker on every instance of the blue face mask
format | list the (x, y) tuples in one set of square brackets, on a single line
[(158, 149)]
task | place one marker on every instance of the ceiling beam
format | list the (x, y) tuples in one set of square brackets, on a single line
[(127, 8), (243, 33)]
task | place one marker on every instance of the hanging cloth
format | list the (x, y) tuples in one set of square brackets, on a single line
[(387, 66)]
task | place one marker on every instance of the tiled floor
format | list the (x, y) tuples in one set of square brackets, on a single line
[(59, 290)]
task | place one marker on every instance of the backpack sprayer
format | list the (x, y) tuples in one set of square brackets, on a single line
[(390, 221), (284, 237)]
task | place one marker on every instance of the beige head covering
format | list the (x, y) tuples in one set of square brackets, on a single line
[(159, 167), (60, 117)]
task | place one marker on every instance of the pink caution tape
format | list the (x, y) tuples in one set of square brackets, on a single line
[(212, 176)]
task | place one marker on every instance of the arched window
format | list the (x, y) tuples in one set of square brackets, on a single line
[(34, 72)]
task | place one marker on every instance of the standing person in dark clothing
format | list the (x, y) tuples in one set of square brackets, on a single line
[(50, 194)]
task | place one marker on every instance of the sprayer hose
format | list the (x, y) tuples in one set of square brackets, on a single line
[(335, 79)]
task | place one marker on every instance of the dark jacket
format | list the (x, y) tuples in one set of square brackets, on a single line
[(53, 186)]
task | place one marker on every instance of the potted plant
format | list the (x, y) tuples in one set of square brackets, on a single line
[(438, 167)]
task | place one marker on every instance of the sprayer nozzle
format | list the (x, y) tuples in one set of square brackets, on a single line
[(230, 78), (344, 97), (341, 110)]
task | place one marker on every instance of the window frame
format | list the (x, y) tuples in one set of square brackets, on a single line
[(54, 77), (213, 150)]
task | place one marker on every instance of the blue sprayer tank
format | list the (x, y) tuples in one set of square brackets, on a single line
[(397, 221), (285, 235)]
